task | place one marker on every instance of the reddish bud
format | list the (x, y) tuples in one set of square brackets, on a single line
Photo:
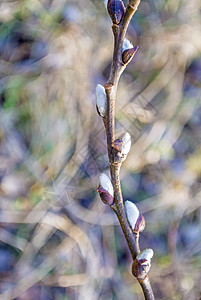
[(140, 224), (135, 218), (128, 54), (122, 146), (142, 264), (140, 271), (105, 196), (116, 10)]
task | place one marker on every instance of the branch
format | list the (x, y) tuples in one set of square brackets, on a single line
[(117, 149)]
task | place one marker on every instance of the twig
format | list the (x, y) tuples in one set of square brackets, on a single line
[(121, 19)]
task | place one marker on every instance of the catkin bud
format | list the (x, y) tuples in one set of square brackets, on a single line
[(142, 264), (126, 143), (116, 10), (135, 218), (122, 146), (106, 190), (101, 100)]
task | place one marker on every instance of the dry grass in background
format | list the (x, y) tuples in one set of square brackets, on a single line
[(57, 240)]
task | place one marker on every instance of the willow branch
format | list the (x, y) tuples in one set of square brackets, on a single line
[(117, 67)]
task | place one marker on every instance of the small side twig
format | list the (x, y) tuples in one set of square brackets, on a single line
[(121, 18)]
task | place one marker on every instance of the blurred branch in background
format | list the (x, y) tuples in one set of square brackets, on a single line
[(57, 241)]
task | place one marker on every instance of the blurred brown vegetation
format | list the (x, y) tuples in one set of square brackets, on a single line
[(57, 240)]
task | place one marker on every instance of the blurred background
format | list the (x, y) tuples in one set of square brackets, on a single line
[(57, 239)]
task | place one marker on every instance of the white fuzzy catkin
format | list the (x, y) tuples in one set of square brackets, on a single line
[(126, 146), (146, 254), (126, 45), (101, 100), (132, 213), (106, 183)]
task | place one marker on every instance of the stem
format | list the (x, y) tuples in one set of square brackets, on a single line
[(147, 290), (131, 238), (111, 89)]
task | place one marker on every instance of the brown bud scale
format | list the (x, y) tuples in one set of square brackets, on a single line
[(116, 10), (135, 268), (140, 269), (128, 54), (140, 224), (105, 196)]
